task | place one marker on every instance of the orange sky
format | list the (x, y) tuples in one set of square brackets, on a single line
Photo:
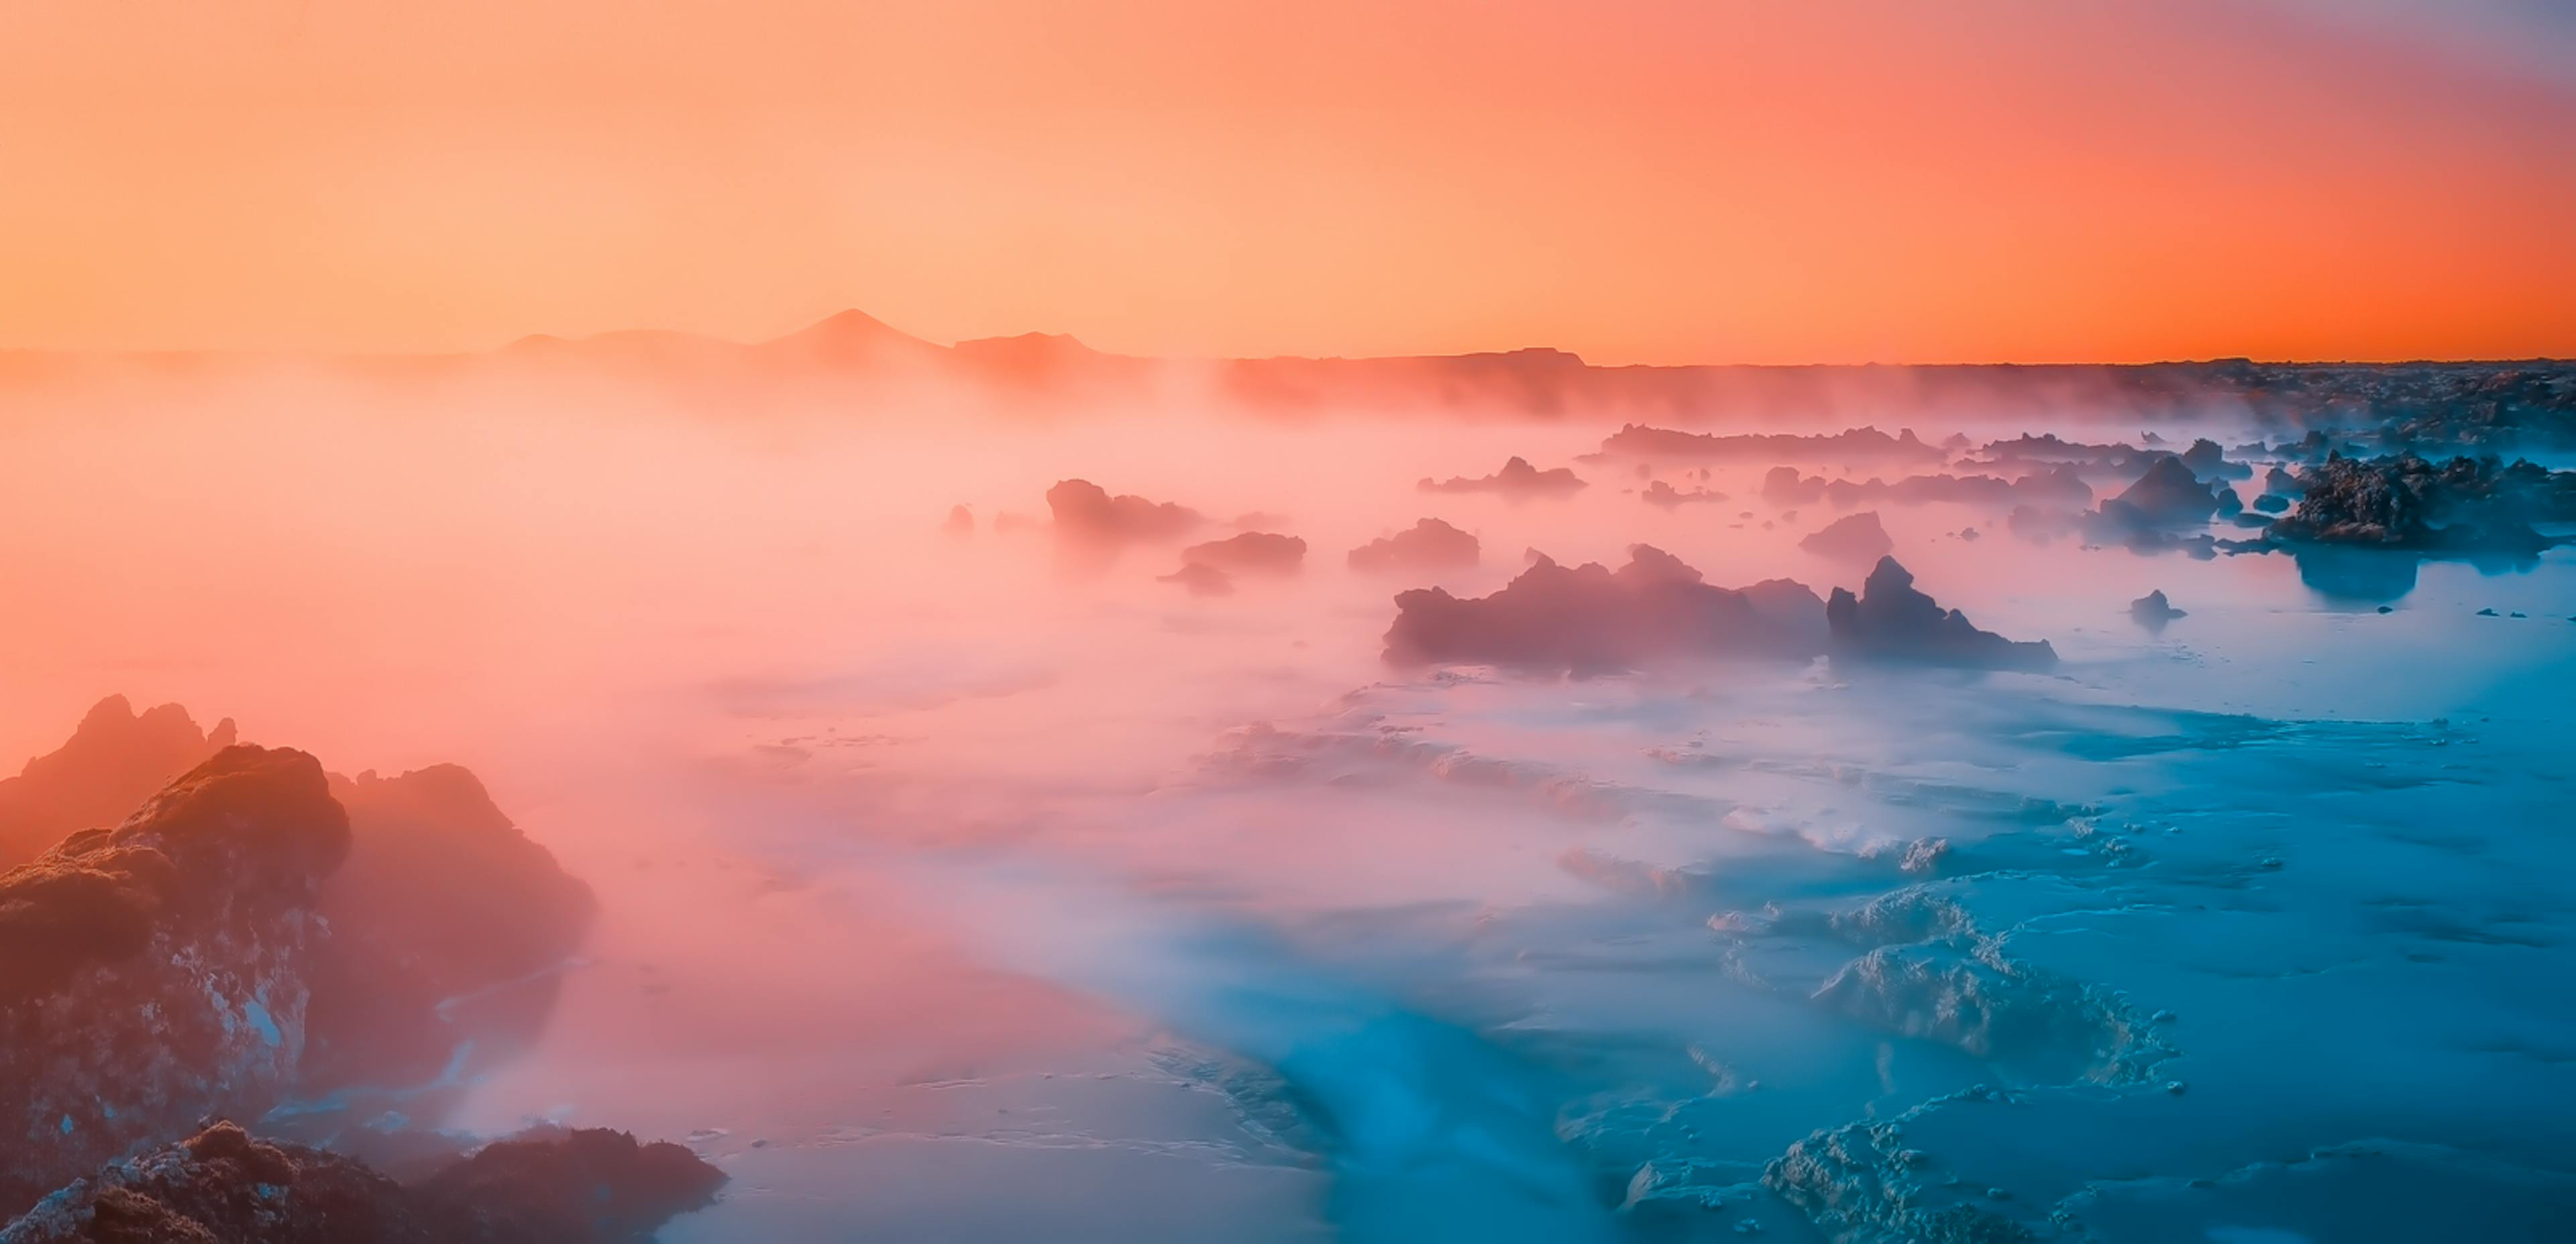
[(1689, 180)]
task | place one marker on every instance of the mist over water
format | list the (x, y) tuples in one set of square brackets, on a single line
[(975, 885)]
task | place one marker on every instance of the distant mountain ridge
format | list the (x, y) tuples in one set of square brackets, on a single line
[(855, 348)]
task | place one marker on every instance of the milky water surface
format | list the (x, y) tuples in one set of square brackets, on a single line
[(961, 887)]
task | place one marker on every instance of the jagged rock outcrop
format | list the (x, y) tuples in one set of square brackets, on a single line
[(1517, 480), (114, 760), (1590, 619), (438, 936), (2167, 495), (2405, 502), (221, 1186), (1891, 621), (157, 972), (1861, 1184), (2208, 461), (1428, 544), (1852, 538), (1085, 512), (446, 925)]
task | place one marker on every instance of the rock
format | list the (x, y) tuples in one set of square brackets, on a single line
[(158, 972), (221, 1185), (961, 521), (114, 760), (1856, 538), (2153, 610), (2167, 495), (2466, 505), (1200, 579), (1590, 619), (1428, 544), (1084, 511), (1664, 496), (1891, 621), (1517, 480), (446, 927), (2206, 460), (1254, 552)]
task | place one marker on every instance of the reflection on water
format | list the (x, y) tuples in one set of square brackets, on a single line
[(949, 894)]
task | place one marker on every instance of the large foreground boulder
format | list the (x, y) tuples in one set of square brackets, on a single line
[(158, 972), (221, 1186)]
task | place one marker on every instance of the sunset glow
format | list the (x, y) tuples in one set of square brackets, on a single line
[(1642, 180)]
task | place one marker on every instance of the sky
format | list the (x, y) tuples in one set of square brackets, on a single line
[(1635, 180)]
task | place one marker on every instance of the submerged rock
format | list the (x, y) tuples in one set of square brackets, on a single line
[(158, 972), (1892, 621), (1590, 619), (221, 1185)]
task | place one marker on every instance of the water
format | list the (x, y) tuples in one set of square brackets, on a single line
[(958, 888)]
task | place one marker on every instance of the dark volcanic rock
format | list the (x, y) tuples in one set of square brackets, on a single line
[(1892, 621), (445, 927), (2168, 495), (1256, 552), (2208, 461), (221, 1186), (155, 973), (1590, 619), (114, 761), (2153, 610), (1517, 479), (2465, 505), (1086, 512), (1856, 538), (1427, 545)]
